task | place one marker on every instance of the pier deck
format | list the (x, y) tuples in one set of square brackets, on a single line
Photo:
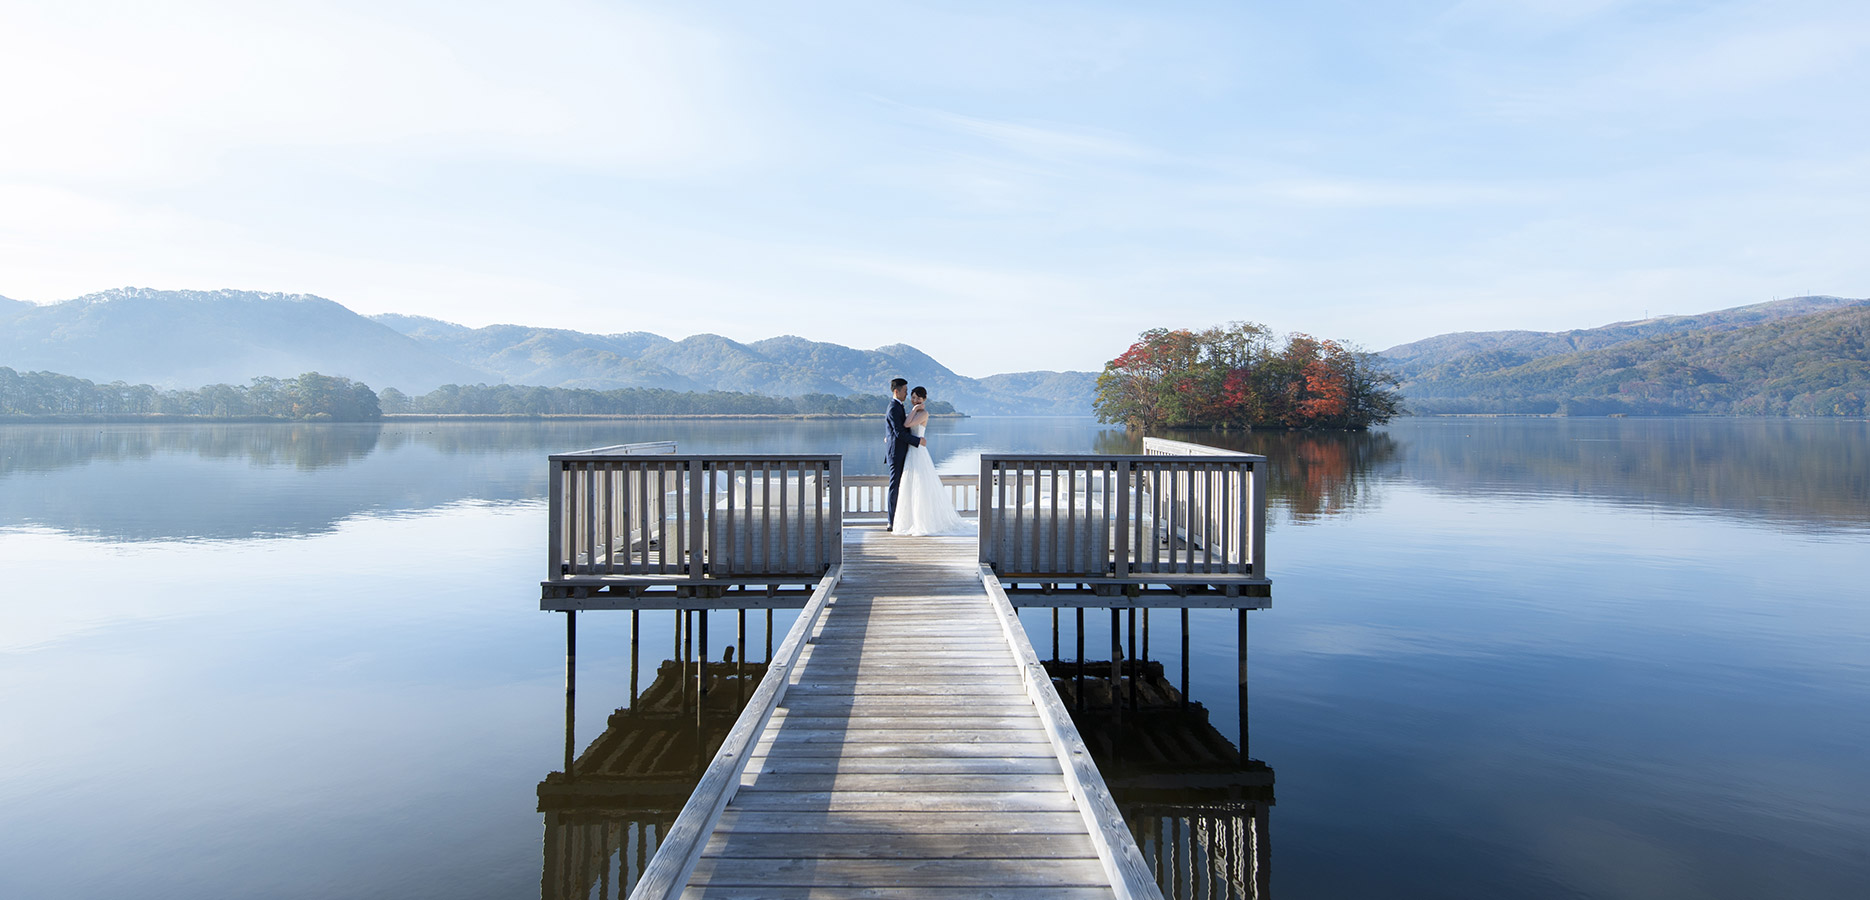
[(879, 774)]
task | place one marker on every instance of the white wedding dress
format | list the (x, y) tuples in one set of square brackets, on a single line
[(923, 506)]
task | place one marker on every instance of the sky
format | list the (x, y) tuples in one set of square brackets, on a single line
[(1006, 186)]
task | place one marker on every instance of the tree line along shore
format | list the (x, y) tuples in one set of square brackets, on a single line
[(313, 397)]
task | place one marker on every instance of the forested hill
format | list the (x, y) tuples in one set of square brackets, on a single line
[(1803, 357), (182, 339), (786, 366)]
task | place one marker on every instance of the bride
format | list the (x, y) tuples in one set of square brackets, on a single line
[(924, 507)]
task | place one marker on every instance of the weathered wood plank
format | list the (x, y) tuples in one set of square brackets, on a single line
[(995, 705), (908, 784), (949, 873), (768, 892), (910, 765), (792, 721), (857, 821), (903, 685), (899, 845), (980, 750), (921, 801), (897, 736)]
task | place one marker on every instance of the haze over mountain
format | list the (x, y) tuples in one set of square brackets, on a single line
[(186, 339), (1801, 356), (786, 366)]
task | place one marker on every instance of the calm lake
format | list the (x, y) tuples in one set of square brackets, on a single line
[(1506, 657)]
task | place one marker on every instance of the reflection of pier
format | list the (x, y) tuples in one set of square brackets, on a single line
[(1197, 807), (604, 820), (906, 734)]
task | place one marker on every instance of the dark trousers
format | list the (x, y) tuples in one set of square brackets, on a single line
[(896, 483)]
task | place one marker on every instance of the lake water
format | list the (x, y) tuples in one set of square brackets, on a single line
[(1526, 658)]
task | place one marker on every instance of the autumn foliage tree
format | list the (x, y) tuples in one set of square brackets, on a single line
[(1233, 376)]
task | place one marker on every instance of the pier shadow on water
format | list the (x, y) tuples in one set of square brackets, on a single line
[(1198, 807)]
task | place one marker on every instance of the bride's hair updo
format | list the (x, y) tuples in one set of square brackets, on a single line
[(919, 391)]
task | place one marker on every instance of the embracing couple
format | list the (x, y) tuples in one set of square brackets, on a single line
[(924, 507)]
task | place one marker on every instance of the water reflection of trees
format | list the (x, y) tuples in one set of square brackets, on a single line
[(41, 448), (1311, 474), (1807, 473)]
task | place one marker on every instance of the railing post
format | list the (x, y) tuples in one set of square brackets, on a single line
[(836, 468), (1122, 473), (555, 514), (1257, 512), (700, 503), (983, 518)]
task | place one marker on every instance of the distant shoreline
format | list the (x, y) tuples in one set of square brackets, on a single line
[(163, 419), (483, 417)]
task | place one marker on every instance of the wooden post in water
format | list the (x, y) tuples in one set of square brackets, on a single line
[(701, 661), (740, 661), (636, 633), (1135, 660), (1116, 656), (571, 683), (1184, 658), (1080, 691), (1241, 643)]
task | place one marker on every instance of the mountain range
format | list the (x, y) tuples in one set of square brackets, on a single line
[(185, 339), (1800, 356)]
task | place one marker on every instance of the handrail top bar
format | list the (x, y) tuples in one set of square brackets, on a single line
[(639, 448), (1113, 457), (585, 456)]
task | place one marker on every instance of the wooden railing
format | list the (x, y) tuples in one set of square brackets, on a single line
[(1151, 519), (631, 517), (867, 497)]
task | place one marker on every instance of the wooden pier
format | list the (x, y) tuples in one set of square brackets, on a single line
[(905, 740), (880, 773)]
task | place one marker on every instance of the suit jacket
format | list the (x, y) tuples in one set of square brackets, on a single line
[(900, 440)]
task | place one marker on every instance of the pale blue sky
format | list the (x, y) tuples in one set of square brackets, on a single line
[(1006, 186)]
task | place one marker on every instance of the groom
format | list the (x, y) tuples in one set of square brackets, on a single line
[(900, 440)]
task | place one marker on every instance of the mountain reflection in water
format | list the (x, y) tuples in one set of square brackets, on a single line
[(175, 482)]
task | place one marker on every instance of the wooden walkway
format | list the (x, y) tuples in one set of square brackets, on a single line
[(909, 758)]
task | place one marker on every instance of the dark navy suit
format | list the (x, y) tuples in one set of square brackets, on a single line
[(900, 440)]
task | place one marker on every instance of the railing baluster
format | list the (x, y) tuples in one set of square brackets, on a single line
[(1074, 565), (609, 525), (766, 517), (589, 531), (1052, 480), (1019, 507), (731, 562)]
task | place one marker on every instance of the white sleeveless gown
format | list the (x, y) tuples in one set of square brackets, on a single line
[(923, 506)]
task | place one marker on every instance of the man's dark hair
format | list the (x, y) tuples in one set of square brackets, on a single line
[(898, 383)]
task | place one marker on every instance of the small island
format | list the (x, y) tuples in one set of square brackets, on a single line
[(1231, 376)]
